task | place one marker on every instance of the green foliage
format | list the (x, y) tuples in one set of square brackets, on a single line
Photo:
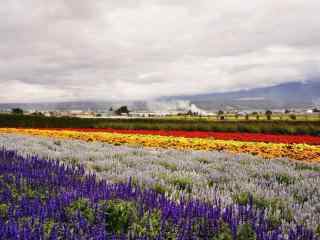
[(268, 112), (48, 226), (72, 160), (31, 192), (120, 215), (3, 210), (148, 226), (168, 165), (81, 205), (159, 188), (183, 183), (121, 110), (245, 232), (277, 209), (307, 166), (224, 233), (18, 111), (293, 117), (98, 168), (241, 198), (318, 230), (284, 179), (274, 221), (203, 160)]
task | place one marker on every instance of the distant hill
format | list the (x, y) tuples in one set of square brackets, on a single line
[(287, 95)]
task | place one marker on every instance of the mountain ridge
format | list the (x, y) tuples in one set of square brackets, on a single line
[(286, 95)]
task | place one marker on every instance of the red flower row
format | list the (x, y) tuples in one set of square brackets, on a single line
[(248, 137)]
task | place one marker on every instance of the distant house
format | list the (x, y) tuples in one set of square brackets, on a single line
[(309, 111)]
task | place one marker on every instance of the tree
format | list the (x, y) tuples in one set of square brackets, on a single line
[(111, 109), (220, 112), (190, 113), (293, 117), (18, 111), (122, 110), (268, 113), (286, 111)]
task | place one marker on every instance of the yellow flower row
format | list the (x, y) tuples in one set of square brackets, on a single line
[(301, 152)]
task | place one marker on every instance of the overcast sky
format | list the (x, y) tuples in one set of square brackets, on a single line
[(138, 49)]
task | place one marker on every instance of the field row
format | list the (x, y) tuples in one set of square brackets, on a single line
[(247, 137), (302, 152), (288, 190), (197, 124)]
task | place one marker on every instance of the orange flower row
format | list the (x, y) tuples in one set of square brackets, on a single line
[(302, 152)]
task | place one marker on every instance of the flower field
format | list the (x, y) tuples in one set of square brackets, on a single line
[(43, 199), (302, 152), (288, 190), (130, 185), (246, 137)]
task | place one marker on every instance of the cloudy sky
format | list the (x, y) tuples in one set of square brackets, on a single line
[(138, 49)]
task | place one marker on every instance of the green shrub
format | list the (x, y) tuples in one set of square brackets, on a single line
[(245, 232), (119, 215), (306, 166), (159, 188), (81, 205)]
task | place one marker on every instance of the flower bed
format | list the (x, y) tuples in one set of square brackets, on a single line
[(302, 152), (46, 200), (247, 137)]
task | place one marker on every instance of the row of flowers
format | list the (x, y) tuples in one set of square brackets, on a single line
[(47, 200), (237, 136), (302, 152), (289, 190)]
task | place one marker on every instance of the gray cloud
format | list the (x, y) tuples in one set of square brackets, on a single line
[(110, 50)]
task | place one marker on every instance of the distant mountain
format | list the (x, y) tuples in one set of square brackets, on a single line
[(287, 95)]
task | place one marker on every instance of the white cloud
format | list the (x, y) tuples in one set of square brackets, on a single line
[(79, 49)]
